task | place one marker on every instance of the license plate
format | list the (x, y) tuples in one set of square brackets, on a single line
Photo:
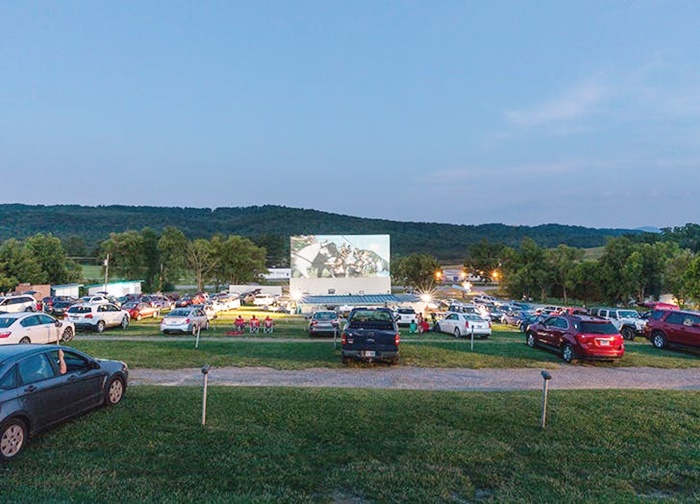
[(604, 342), (368, 353)]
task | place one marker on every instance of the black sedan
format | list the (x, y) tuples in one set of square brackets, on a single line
[(42, 385)]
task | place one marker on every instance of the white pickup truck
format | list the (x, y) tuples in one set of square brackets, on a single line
[(628, 322)]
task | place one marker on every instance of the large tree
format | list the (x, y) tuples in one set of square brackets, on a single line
[(239, 260), (419, 271), (201, 259), (172, 247)]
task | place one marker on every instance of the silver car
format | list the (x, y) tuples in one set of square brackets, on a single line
[(184, 320)]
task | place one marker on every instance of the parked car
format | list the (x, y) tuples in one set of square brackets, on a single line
[(98, 317), (139, 310), (463, 324), (183, 301), (324, 322), (184, 320), (157, 301), (577, 337), (37, 390), (96, 299), (673, 328), (264, 300), (515, 318), (404, 316), (30, 327), (370, 334), (207, 308), (628, 322), (59, 307), (14, 304)]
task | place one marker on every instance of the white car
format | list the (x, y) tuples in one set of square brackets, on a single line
[(97, 299), (404, 316), (26, 327), (184, 320), (464, 324), (14, 304), (98, 317), (264, 300)]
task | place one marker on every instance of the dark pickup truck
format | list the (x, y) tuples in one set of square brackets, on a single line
[(370, 334)]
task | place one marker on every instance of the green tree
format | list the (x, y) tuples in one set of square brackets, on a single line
[(127, 256), (239, 260), (18, 264), (172, 248), (484, 258), (562, 262), (675, 274), (201, 259), (48, 252), (417, 271)]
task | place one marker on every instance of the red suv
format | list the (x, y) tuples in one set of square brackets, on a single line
[(577, 337), (673, 327)]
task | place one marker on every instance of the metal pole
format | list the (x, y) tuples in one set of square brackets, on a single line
[(196, 342), (547, 377), (472, 338), (205, 382)]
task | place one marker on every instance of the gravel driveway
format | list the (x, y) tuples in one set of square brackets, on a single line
[(567, 377)]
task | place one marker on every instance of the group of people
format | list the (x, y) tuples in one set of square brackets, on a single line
[(253, 324), (420, 325)]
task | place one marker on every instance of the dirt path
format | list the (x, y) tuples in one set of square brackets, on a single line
[(413, 378)]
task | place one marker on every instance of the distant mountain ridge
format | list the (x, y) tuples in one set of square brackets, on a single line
[(444, 241)]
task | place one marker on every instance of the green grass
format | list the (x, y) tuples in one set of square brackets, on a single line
[(331, 445), (282, 350)]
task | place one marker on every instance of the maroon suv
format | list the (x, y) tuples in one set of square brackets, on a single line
[(673, 327), (577, 337)]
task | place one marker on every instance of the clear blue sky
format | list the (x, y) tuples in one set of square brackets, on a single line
[(467, 112)]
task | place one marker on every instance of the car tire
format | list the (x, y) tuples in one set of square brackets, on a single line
[(139, 317), (100, 327), (67, 335), (658, 339), (29, 309), (114, 391), (125, 322), (627, 333), (25, 340), (458, 334), (567, 353), (531, 340), (13, 437)]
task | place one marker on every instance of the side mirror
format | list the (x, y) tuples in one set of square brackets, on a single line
[(94, 365), (57, 323)]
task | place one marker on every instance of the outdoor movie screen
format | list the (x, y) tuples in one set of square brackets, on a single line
[(339, 256)]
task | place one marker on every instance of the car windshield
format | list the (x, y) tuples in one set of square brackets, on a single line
[(6, 321), (597, 328), (628, 314), (179, 313)]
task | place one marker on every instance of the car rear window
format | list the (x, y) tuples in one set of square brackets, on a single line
[(325, 316), (6, 321), (179, 313), (79, 309), (597, 328), (377, 319)]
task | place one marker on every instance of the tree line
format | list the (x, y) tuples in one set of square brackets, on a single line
[(158, 259)]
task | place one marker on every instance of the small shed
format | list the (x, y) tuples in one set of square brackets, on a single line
[(116, 289), (70, 290)]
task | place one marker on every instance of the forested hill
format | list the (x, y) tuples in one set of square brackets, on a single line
[(444, 241)]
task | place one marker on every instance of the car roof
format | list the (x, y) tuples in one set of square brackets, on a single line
[(16, 315), (19, 350)]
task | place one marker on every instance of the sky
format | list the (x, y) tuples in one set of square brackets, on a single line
[(462, 112)]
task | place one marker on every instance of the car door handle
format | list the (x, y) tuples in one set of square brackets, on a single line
[(30, 389), (72, 378)]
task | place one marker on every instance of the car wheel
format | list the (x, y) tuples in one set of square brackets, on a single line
[(139, 317), (627, 333), (29, 309), (25, 340), (567, 353), (13, 435), (100, 326), (530, 339), (658, 339), (114, 391), (457, 333), (67, 335), (125, 322)]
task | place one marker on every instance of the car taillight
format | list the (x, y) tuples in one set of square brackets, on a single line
[(583, 338), (344, 339), (466, 324), (89, 315), (5, 335), (314, 322), (397, 339), (187, 321), (489, 324)]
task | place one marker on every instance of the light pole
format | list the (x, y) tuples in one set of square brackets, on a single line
[(106, 265)]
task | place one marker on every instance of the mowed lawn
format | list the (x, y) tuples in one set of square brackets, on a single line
[(356, 446), (290, 347)]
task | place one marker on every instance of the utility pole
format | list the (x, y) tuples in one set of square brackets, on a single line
[(106, 264)]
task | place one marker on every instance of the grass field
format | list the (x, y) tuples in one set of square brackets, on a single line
[(290, 347), (356, 446)]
